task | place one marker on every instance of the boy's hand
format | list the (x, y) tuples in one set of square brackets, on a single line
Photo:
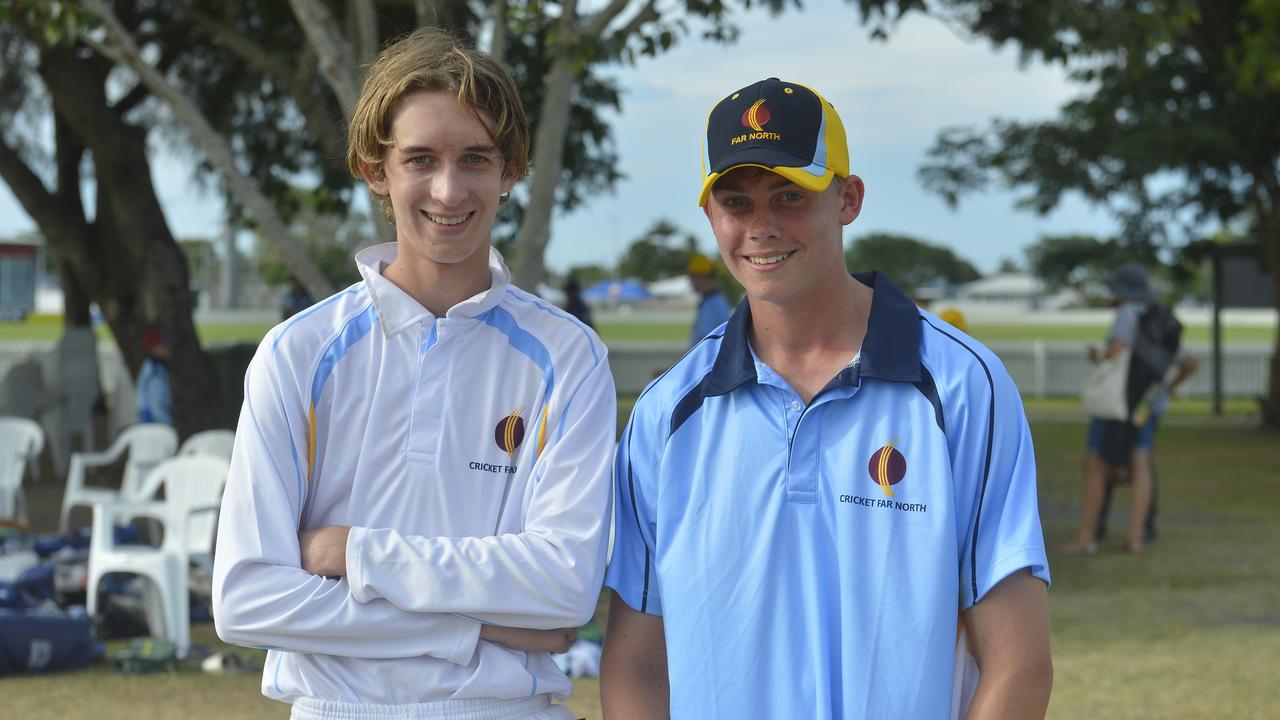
[(324, 550), (552, 641)]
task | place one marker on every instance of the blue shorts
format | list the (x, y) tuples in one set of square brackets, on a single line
[(1146, 434)]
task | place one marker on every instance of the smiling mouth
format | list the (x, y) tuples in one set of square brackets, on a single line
[(770, 259), (448, 219)]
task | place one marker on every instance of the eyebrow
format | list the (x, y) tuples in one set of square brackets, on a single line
[(418, 149)]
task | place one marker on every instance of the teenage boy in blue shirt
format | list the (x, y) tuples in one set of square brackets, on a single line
[(828, 508)]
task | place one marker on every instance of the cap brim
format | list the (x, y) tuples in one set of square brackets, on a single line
[(752, 158)]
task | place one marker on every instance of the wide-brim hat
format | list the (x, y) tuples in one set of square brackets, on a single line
[(1129, 283)]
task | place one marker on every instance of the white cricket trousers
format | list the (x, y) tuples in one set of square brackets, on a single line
[(538, 707)]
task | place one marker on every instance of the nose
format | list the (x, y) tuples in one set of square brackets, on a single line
[(448, 185), (761, 224)]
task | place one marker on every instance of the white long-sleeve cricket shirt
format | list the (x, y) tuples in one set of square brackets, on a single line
[(471, 456)]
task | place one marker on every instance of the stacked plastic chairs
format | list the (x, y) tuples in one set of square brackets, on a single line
[(145, 444), (192, 490), (21, 441)]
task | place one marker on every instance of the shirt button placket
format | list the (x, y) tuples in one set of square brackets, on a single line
[(427, 420)]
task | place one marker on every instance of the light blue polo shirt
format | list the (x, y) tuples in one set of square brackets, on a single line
[(812, 561)]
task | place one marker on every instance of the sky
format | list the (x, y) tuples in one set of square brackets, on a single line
[(893, 97)]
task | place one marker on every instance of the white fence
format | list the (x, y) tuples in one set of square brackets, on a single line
[(1040, 369)]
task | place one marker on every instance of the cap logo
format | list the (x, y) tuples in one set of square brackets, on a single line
[(756, 116)]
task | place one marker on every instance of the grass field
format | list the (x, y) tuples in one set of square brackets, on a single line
[(1188, 630), (46, 328)]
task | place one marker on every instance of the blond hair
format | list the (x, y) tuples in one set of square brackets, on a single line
[(432, 60)]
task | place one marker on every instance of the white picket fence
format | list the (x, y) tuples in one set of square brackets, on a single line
[(1040, 369)]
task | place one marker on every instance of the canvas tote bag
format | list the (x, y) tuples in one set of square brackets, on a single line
[(1105, 393)]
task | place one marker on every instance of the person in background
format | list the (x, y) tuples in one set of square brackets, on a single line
[(1187, 367), (295, 300), (155, 397), (954, 318), (1117, 452), (713, 309), (574, 304)]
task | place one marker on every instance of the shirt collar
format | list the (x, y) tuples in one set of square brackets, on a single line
[(890, 350), (398, 310)]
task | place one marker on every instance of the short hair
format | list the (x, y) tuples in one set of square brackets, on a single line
[(433, 60)]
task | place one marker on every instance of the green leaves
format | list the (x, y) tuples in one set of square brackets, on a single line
[(57, 21), (911, 262)]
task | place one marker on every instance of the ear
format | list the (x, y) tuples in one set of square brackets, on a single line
[(375, 178), (508, 182), (851, 194)]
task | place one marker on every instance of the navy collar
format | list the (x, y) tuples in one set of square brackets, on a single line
[(890, 351)]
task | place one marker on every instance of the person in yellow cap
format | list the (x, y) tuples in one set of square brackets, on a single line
[(827, 508), (713, 309), (955, 318)]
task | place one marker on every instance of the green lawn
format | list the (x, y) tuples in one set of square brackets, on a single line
[(1086, 334), (1190, 629), (48, 327)]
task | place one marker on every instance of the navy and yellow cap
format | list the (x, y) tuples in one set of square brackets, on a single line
[(783, 127)]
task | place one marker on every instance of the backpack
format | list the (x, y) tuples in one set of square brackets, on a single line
[(1155, 345)]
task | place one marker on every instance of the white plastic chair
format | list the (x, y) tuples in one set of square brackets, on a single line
[(209, 442), (22, 396), (192, 488), (217, 443), (146, 443), (21, 441)]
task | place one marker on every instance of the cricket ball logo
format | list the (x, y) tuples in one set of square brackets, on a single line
[(756, 116), (887, 467), (510, 432)]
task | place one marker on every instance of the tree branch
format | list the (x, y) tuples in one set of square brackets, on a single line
[(498, 42), (648, 13), (46, 209), (121, 49), (26, 186), (241, 46), (134, 97), (596, 26), (316, 108), (425, 12), (337, 61), (68, 152), (366, 32)]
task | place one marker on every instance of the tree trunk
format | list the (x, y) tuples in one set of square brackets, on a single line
[(1271, 403), (126, 260), (548, 163), (75, 301)]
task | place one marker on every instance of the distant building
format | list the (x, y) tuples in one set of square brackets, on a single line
[(676, 289), (1014, 291), (19, 263)]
